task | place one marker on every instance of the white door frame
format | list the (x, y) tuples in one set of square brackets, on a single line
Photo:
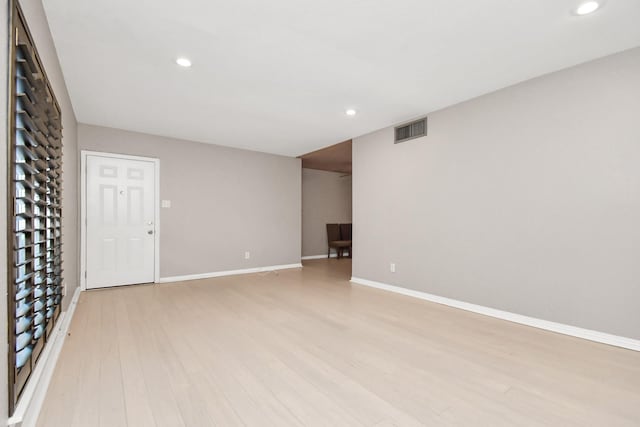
[(83, 211)]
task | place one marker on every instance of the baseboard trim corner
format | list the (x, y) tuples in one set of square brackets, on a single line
[(574, 331), (228, 273), (30, 403)]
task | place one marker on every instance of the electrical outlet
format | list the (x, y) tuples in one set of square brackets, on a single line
[(64, 290), (247, 255), (392, 267), (165, 204)]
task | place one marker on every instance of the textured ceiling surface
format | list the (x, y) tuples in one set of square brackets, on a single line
[(276, 76)]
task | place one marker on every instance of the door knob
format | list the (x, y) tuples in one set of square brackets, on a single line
[(150, 232)]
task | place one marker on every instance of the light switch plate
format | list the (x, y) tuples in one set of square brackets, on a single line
[(165, 204)]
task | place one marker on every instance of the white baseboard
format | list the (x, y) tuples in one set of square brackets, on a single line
[(318, 256), (560, 328), (30, 403), (228, 273), (333, 255)]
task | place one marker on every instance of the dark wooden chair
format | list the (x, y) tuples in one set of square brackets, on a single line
[(334, 240), (345, 235)]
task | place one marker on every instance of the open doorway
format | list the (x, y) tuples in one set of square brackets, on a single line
[(327, 208)]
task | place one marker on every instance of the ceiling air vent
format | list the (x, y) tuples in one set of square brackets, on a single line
[(410, 131)]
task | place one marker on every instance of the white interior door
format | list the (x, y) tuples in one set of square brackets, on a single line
[(120, 212)]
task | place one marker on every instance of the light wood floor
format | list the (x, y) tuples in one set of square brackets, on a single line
[(304, 347)]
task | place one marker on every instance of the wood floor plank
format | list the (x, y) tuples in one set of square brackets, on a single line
[(86, 409), (138, 408), (307, 348), (72, 354), (146, 317), (112, 410)]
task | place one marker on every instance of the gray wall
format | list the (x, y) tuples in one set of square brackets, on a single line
[(224, 202), (525, 200), (326, 198)]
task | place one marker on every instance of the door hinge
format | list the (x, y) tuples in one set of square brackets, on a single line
[(85, 274)]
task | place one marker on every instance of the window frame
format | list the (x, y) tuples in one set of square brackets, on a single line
[(38, 259)]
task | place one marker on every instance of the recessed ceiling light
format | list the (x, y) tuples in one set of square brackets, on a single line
[(183, 62), (587, 8), (350, 112)]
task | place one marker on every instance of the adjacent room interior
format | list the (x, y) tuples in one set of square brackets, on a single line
[(282, 213), (327, 203)]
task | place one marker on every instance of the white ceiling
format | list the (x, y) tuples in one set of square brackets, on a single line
[(277, 75)]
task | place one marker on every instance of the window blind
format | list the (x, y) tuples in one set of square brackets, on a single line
[(35, 269)]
